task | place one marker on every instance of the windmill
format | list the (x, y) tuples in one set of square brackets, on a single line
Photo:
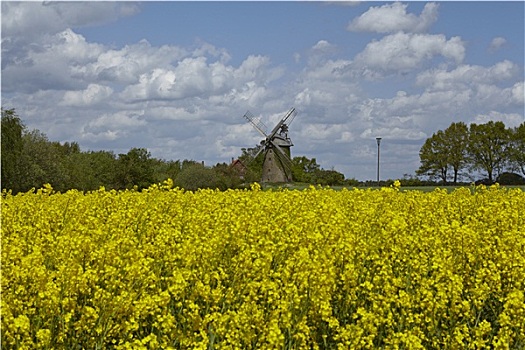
[(276, 147)]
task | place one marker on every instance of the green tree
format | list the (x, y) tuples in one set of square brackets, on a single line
[(89, 171), (227, 176), (42, 162), (517, 149), (456, 140), (11, 151), (304, 169), (135, 169), (329, 177), (433, 157), (197, 176), (444, 151), (488, 148), (166, 169)]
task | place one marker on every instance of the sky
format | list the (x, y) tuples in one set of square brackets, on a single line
[(177, 77)]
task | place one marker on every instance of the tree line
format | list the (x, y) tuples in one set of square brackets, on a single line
[(491, 150), (30, 160)]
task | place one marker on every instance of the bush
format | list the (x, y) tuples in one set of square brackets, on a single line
[(510, 179)]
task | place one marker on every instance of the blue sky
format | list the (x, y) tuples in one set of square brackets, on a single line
[(176, 77)]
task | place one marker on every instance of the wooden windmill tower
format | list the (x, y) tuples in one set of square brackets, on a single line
[(276, 147)]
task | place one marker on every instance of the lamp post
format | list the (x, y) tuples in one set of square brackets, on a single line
[(378, 150)]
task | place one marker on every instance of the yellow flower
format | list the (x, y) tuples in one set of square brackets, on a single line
[(318, 268)]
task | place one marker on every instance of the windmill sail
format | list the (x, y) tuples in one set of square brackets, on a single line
[(257, 123)]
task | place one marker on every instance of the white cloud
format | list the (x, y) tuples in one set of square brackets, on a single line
[(329, 70), (27, 24), (517, 92), (206, 49), (497, 43), (402, 52), (122, 119), (91, 96), (510, 120), (28, 20), (465, 76), (391, 18), (125, 65), (51, 65), (321, 132), (320, 51), (395, 133), (195, 77), (113, 126), (323, 45)]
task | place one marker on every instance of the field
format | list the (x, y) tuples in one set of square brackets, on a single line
[(275, 269)]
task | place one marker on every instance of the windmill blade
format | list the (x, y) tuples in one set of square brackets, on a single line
[(289, 114), (285, 159), (261, 149), (257, 123), (283, 154), (291, 118)]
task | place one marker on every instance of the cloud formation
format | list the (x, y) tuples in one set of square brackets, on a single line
[(30, 20), (402, 52), (497, 43), (391, 18)]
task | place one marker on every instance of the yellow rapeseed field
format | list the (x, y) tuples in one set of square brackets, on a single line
[(165, 268)]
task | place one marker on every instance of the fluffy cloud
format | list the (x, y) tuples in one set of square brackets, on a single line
[(466, 75), (482, 85), (393, 18), (91, 96), (497, 43), (25, 25), (394, 133), (509, 119), (402, 52), (125, 65), (195, 77), (53, 64), (28, 20), (518, 93)]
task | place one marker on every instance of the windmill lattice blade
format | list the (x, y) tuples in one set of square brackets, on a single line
[(257, 154), (257, 124), (290, 115), (278, 126), (285, 160), (291, 118)]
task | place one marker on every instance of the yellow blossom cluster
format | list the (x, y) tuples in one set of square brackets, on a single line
[(165, 268)]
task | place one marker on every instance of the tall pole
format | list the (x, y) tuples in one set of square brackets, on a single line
[(378, 151)]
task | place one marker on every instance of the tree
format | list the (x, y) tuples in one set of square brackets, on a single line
[(196, 176), (329, 177), (304, 169), (42, 162), (135, 169), (456, 143), (517, 149), (166, 169), (12, 148), (488, 147), (89, 171), (227, 176), (433, 157), (444, 151)]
